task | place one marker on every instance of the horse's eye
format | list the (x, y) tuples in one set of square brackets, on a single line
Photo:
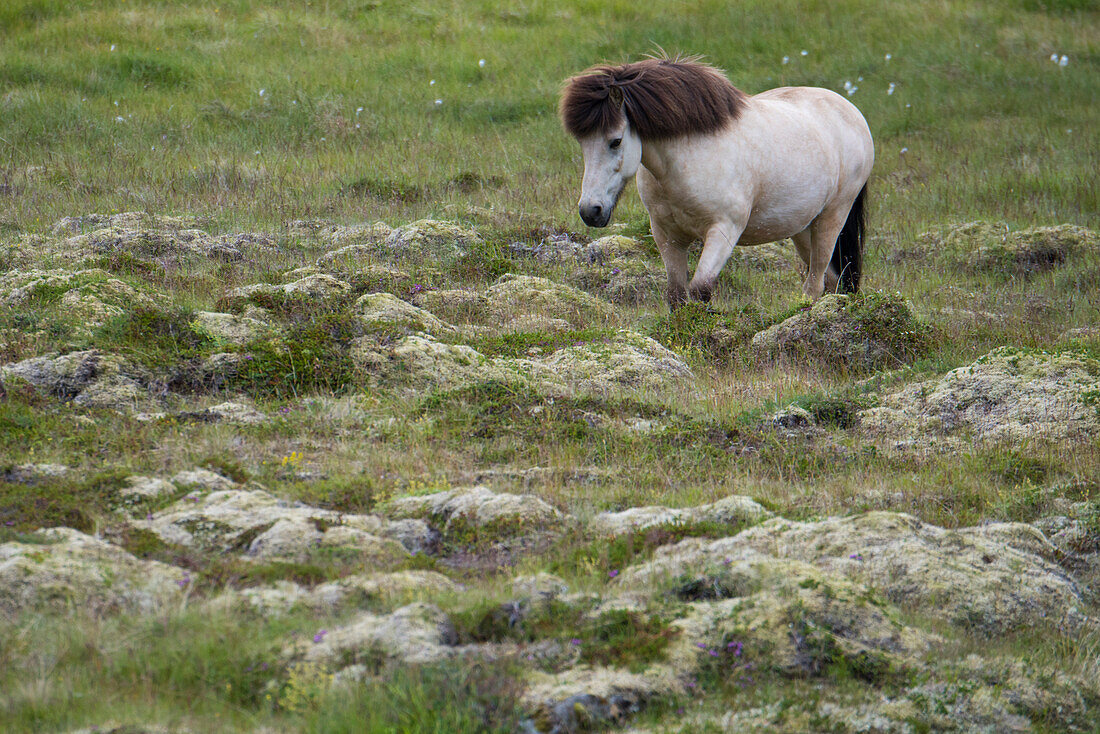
[(616, 142)]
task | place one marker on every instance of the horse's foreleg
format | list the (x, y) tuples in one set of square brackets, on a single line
[(823, 233), (720, 241), (675, 258)]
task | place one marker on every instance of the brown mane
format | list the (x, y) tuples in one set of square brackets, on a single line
[(662, 98)]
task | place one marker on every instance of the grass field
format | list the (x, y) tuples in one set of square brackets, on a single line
[(258, 116)]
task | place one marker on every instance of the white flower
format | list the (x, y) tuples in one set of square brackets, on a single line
[(358, 110), (262, 91), (847, 85), (786, 59), (805, 52), (890, 89), (859, 79), (120, 119), (1054, 58), (112, 47), (1064, 61), (431, 83), (888, 56), (481, 62), (257, 152), (439, 102), (904, 150), (116, 103), (852, 91)]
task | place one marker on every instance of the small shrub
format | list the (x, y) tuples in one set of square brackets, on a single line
[(313, 356), (61, 502), (695, 327)]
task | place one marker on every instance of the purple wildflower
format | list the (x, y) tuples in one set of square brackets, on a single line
[(9, 523), (184, 581), (613, 573), (575, 642), (855, 556), (320, 635), (713, 653), (701, 645)]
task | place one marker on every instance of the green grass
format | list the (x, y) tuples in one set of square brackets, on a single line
[(197, 136)]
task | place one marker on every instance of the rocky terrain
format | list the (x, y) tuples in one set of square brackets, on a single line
[(354, 452)]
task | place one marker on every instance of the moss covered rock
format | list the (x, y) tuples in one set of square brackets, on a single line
[(988, 580), (90, 379), (734, 510), (87, 298), (230, 328), (477, 515), (257, 525), (429, 238), (62, 568), (515, 295), (995, 247), (1007, 395), (421, 361), (312, 290), (862, 332), (385, 312), (626, 361), (416, 633)]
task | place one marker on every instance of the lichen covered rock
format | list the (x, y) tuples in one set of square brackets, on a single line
[(388, 313), (65, 569), (88, 297), (257, 525), (995, 247), (629, 360), (230, 328), (419, 360), (862, 332), (734, 510), (477, 514), (89, 379), (515, 295), (349, 592), (988, 580), (416, 633), (1007, 395), (313, 289), (429, 238)]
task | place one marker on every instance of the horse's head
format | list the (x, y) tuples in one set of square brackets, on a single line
[(611, 158)]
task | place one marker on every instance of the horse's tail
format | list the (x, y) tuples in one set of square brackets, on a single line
[(848, 254)]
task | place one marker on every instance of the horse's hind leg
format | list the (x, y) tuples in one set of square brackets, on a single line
[(823, 233)]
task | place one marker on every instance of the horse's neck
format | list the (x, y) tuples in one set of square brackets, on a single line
[(655, 158)]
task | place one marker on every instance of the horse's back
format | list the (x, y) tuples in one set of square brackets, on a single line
[(823, 111)]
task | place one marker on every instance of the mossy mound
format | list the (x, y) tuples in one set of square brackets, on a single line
[(994, 247), (863, 332), (61, 568), (1009, 395), (516, 295)]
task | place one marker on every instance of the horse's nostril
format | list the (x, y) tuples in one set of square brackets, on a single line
[(596, 209)]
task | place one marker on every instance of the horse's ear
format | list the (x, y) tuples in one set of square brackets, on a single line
[(616, 96)]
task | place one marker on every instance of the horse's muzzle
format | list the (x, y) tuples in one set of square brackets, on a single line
[(595, 215)]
